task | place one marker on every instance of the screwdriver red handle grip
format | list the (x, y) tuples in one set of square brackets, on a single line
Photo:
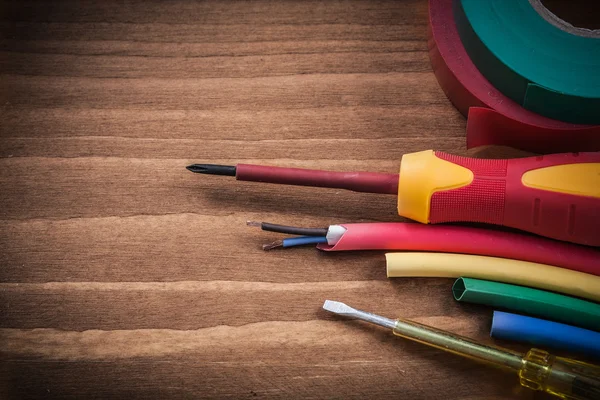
[(557, 196)]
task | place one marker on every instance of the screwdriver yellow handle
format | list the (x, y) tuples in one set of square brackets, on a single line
[(562, 377), (538, 370)]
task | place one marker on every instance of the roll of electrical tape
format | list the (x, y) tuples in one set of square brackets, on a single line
[(494, 118), (544, 68)]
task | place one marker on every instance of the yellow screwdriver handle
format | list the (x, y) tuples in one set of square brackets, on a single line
[(563, 377), (537, 370)]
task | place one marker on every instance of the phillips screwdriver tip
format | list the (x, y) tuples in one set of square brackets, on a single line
[(212, 169)]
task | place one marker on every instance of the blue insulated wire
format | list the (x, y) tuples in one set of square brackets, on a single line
[(301, 240)]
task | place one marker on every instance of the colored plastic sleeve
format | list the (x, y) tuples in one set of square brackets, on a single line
[(494, 269), (540, 303), (460, 239), (544, 333), (437, 187)]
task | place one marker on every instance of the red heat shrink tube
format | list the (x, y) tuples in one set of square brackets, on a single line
[(465, 240)]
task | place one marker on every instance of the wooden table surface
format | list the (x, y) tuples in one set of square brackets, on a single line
[(123, 275)]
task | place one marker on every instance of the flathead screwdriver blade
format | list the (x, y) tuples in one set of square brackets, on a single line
[(339, 308), (212, 169)]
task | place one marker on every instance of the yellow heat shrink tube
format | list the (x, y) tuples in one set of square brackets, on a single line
[(522, 273)]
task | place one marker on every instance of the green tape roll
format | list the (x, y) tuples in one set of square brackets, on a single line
[(544, 68), (553, 306)]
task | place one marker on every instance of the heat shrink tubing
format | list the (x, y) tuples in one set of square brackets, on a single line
[(544, 333), (461, 239), (503, 270), (526, 300)]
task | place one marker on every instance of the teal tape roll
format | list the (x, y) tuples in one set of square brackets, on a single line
[(544, 68), (541, 303)]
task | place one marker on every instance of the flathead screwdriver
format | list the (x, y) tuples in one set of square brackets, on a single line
[(537, 370)]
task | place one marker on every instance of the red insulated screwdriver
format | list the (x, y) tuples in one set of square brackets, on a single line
[(557, 195)]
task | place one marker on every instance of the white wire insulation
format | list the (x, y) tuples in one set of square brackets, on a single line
[(334, 234)]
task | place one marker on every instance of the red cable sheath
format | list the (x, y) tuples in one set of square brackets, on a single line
[(467, 240), (370, 182), (503, 122)]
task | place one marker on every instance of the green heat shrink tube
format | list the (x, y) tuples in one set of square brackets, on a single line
[(549, 305)]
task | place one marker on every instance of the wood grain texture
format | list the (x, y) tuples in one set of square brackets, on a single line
[(122, 275)]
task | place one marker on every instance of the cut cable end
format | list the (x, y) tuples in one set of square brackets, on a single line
[(273, 245)]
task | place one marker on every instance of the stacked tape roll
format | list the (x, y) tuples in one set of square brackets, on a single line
[(493, 116), (540, 66)]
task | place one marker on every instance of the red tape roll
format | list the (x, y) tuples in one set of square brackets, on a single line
[(493, 118)]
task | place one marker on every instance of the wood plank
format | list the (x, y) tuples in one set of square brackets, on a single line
[(300, 149), (177, 377), (262, 13), (330, 122), (300, 92), (183, 50), (112, 66), (85, 249), (199, 33), (194, 305)]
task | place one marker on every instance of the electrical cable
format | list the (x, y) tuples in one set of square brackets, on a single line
[(302, 240), (460, 239), (295, 241), (545, 333), (292, 230), (540, 303), (494, 269)]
